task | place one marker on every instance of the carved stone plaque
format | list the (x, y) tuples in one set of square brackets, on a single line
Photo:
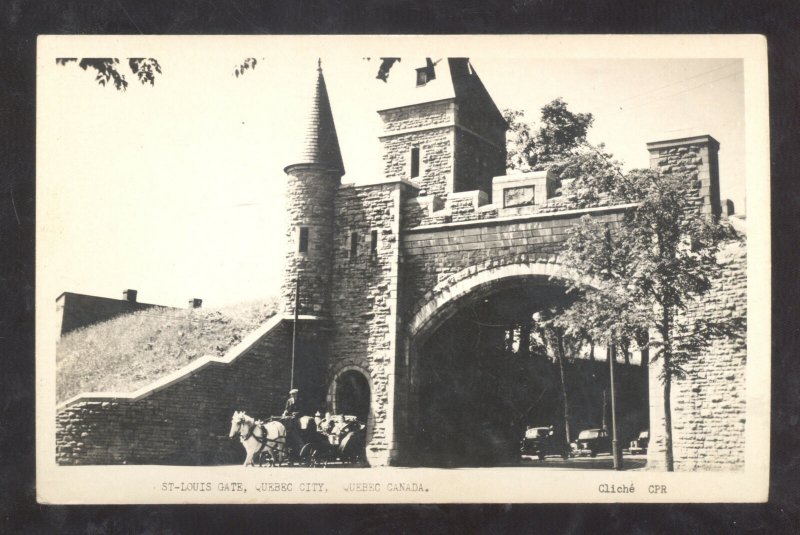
[(520, 196)]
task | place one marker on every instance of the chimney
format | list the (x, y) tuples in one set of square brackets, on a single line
[(697, 157), (195, 303), (129, 295)]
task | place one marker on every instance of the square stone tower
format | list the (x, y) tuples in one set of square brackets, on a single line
[(697, 157), (445, 132)]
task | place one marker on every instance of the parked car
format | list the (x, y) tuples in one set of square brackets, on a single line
[(591, 442), (639, 445), (542, 441)]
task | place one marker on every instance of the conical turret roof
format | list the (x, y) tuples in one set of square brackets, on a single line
[(320, 145)]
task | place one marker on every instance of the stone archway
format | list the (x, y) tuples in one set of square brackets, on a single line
[(463, 386), (350, 392), (439, 303)]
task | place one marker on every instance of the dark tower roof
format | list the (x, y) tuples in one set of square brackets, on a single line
[(320, 145)]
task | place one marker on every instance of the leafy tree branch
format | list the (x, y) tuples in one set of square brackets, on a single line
[(108, 70)]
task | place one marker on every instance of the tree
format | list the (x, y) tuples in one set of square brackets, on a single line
[(108, 70), (562, 341), (534, 149), (640, 273), (145, 69)]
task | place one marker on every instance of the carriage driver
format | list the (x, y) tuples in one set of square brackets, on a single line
[(292, 406)]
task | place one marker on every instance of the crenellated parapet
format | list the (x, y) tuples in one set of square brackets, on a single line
[(518, 194)]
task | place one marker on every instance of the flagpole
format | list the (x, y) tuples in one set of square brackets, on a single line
[(294, 326)]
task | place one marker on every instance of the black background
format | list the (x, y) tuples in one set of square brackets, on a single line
[(21, 21)]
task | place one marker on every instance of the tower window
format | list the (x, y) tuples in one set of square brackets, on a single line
[(353, 244), (302, 242), (427, 73), (373, 242), (414, 162)]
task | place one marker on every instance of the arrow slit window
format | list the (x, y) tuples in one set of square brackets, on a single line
[(414, 162), (302, 240), (353, 244), (373, 242)]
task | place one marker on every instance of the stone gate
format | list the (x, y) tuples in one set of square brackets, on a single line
[(380, 267), (444, 224)]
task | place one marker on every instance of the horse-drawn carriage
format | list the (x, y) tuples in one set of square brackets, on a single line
[(340, 439), (300, 440)]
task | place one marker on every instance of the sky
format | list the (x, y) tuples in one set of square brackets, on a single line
[(176, 190)]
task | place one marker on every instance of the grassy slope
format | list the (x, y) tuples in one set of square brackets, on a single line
[(131, 351)]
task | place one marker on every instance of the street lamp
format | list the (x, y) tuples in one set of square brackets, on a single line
[(615, 450), (294, 324)]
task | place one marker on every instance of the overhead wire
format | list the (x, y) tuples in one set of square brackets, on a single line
[(672, 95), (679, 81)]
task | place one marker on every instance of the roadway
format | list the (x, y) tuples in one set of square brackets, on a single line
[(603, 461)]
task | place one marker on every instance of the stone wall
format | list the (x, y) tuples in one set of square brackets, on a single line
[(433, 254), (427, 210), (364, 293), (697, 159), (708, 407), (423, 115), (436, 159), (186, 421), (453, 158)]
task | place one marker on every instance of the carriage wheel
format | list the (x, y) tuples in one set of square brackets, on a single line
[(352, 448), (307, 455)]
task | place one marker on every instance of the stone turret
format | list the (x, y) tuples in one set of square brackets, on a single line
[(312, 181)]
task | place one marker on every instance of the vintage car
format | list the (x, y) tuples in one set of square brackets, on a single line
[(639, 445), (591, 442), (542, 441)]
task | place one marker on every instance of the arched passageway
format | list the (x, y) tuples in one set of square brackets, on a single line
[(488, 371), (352, 394)]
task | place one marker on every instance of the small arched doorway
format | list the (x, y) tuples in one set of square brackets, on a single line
[(352, 394)]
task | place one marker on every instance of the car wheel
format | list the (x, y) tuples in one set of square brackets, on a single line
[(593, 454), (541, 456)]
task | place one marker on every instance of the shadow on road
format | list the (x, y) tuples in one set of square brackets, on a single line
[(601, 462)]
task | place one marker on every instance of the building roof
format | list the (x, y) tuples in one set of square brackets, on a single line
[(401, 88), (320, 146), (453, 78), (445, 79)]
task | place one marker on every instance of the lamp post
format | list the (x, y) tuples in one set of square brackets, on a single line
[(294, 325), (615, 450)]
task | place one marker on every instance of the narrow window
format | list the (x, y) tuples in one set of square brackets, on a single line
[(427, 73), (373, 242), (422, 77), (414, 162), (353, 244), (302, 243)]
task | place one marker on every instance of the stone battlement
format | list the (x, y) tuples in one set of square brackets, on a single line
[(512, 195)]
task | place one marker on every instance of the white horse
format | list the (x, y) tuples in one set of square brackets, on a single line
[(259, 439)]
